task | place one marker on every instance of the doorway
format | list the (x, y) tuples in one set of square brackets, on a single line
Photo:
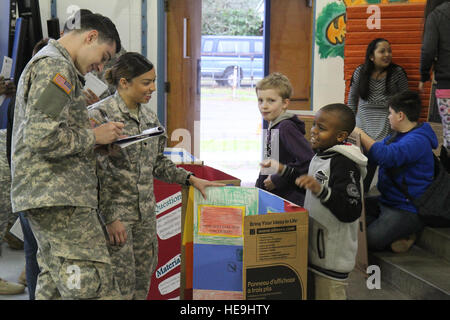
[(232, 62), (225, 132)]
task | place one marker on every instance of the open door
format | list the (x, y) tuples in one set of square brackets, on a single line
[(184, 19), (290, 47)]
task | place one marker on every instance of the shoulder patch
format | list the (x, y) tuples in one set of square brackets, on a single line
[(62, 83)]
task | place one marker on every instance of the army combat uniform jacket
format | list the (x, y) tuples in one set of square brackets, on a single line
[(126, 178), (5, 187), (53, 160), (54, 181)]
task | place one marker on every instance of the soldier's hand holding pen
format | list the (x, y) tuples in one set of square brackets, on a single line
[(108, 132)]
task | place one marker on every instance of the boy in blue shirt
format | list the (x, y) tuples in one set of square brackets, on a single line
[(407, 157)]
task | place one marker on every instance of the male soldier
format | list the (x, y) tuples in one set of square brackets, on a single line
[(8, 89), (53, 162), (90, 96)]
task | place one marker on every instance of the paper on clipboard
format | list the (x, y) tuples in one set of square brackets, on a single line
[(6, 67), (16, 230), (146, 134), (6, 72), (95, 84)]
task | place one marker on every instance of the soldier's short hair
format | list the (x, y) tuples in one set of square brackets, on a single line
[(71, 22), (278, 82), (84, 20)]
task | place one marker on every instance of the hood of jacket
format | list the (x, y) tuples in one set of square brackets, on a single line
[(416, 175), (426, 130), (444, 9), (440, 18), (289, 116), (353, 153)]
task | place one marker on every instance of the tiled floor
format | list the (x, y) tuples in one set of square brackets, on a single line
[(12, 263)]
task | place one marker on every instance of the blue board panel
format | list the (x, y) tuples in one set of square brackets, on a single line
[(19, 39), (4, 51), (217, 267), (4, 28), (268, 202)]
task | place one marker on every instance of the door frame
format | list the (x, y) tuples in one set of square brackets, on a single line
[(161, 72), (162, 56), (266, 35)]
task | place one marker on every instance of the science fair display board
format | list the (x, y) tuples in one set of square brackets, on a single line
[(214, 228)]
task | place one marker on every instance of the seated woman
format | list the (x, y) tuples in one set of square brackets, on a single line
[(392, 219)]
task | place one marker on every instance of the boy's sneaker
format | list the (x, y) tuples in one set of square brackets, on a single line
[(10, 288), (403, 245)]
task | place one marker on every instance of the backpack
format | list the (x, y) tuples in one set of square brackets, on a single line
[(445, 158), (433, 205)]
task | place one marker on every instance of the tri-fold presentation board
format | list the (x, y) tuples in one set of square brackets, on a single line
[(216, 228)]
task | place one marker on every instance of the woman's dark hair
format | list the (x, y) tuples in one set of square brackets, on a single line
[(41, 44), (368, 67), (429, 7), (129, 66)]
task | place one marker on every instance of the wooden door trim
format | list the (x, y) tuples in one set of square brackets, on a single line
[(267, 7), (161, 71), (278, 59)]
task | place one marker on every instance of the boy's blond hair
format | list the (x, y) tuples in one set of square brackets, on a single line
[(277, 81)]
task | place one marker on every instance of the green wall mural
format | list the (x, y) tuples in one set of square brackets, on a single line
[(330, 30)]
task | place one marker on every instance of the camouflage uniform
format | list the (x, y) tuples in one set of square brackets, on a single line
[(5, 188), (126, 193), (54, 181)]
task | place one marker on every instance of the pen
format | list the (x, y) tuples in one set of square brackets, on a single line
[(95, 121), (104, 115)]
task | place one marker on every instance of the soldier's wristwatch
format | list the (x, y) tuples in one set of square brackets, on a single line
[(187, 183)]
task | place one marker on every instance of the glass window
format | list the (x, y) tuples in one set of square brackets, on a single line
[(259, 47), (243, 46), (226, 47), (208, 45), (230, 46)]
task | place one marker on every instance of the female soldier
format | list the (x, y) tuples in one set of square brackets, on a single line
[(126, 199)]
